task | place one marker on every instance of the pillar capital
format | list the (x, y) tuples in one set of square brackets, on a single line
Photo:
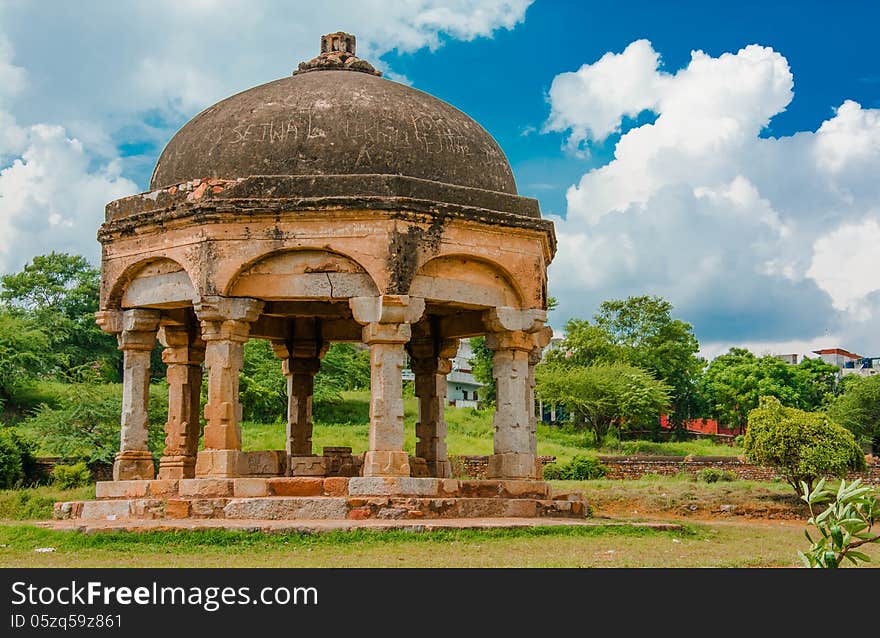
[(300, 366), (506, 319), (227, 318), (542, 340), (430, 356), (109, 320), (138, 330), (511, 340), (181, 346), (390, 309), (375, 333)]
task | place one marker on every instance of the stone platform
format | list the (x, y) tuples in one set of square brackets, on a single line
[(316, 498), (305, 526)]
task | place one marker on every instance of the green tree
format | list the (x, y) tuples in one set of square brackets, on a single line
[(61, 293), (263, 387), (604, 395), (858, 409), (641, 332), (85, 425), (24, 349), (734, 382), (801, 446), (481, 367)]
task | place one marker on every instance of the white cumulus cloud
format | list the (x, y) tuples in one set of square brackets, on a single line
[(79, 81), (750, 237)]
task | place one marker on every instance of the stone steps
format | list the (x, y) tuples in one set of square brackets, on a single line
[(319, 507), (316, 498)]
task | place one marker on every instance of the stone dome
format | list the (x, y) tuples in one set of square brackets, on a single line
[(335, 116)]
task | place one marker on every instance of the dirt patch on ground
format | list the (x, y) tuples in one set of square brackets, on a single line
[(694, 500)]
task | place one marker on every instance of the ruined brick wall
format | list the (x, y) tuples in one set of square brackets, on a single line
[(634, 467)]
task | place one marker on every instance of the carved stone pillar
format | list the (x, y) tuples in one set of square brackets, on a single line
[(534, 359), (136, 340), (430, 361), (184, 353), (301, 360), (387, 322), (541, 339), (513, 457), (225, 326), (513, 338)]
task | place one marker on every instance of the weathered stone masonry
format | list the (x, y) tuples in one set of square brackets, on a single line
[(332, 205)]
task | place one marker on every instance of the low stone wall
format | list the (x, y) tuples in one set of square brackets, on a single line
[(634, 467)]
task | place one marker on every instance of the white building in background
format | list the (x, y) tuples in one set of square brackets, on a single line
[(849, 362), (462, 389)]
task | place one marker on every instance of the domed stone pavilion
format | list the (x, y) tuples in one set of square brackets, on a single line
[(331, 205)]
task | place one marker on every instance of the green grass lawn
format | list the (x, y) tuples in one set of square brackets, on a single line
[(697, 545), (712, 535), (469, 432)]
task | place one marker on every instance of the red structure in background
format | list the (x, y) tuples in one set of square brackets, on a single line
[(701, 426)]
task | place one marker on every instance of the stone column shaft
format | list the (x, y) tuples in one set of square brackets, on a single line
[(430, 362), (184, 353), (531, 404), (136, 340), (386, 456), (386, 320), (225, 326), (513, 457)]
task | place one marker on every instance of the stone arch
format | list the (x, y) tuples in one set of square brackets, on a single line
[(157, 282), (302, 273), (466, 280)]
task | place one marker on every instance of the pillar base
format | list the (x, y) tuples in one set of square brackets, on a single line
[(219, 463), (512, 465), (134, 465), (213, 463), (177, 467), (386, 463), (440, 469), (306, 465)]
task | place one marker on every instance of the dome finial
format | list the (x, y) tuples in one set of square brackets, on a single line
[(337, 54)]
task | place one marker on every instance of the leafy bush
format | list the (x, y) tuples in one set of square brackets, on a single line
[(714, 474), (16, 457), (70, 476), (85, 427), (801, 446), (580, 468)]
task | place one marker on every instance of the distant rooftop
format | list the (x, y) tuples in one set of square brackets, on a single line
[(840, 351)]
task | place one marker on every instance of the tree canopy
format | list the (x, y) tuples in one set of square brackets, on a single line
[(604, 395), (60, 292), (858, 409), (733, 384), (641, 332)]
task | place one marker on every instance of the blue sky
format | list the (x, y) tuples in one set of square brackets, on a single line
[(741, 183)]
